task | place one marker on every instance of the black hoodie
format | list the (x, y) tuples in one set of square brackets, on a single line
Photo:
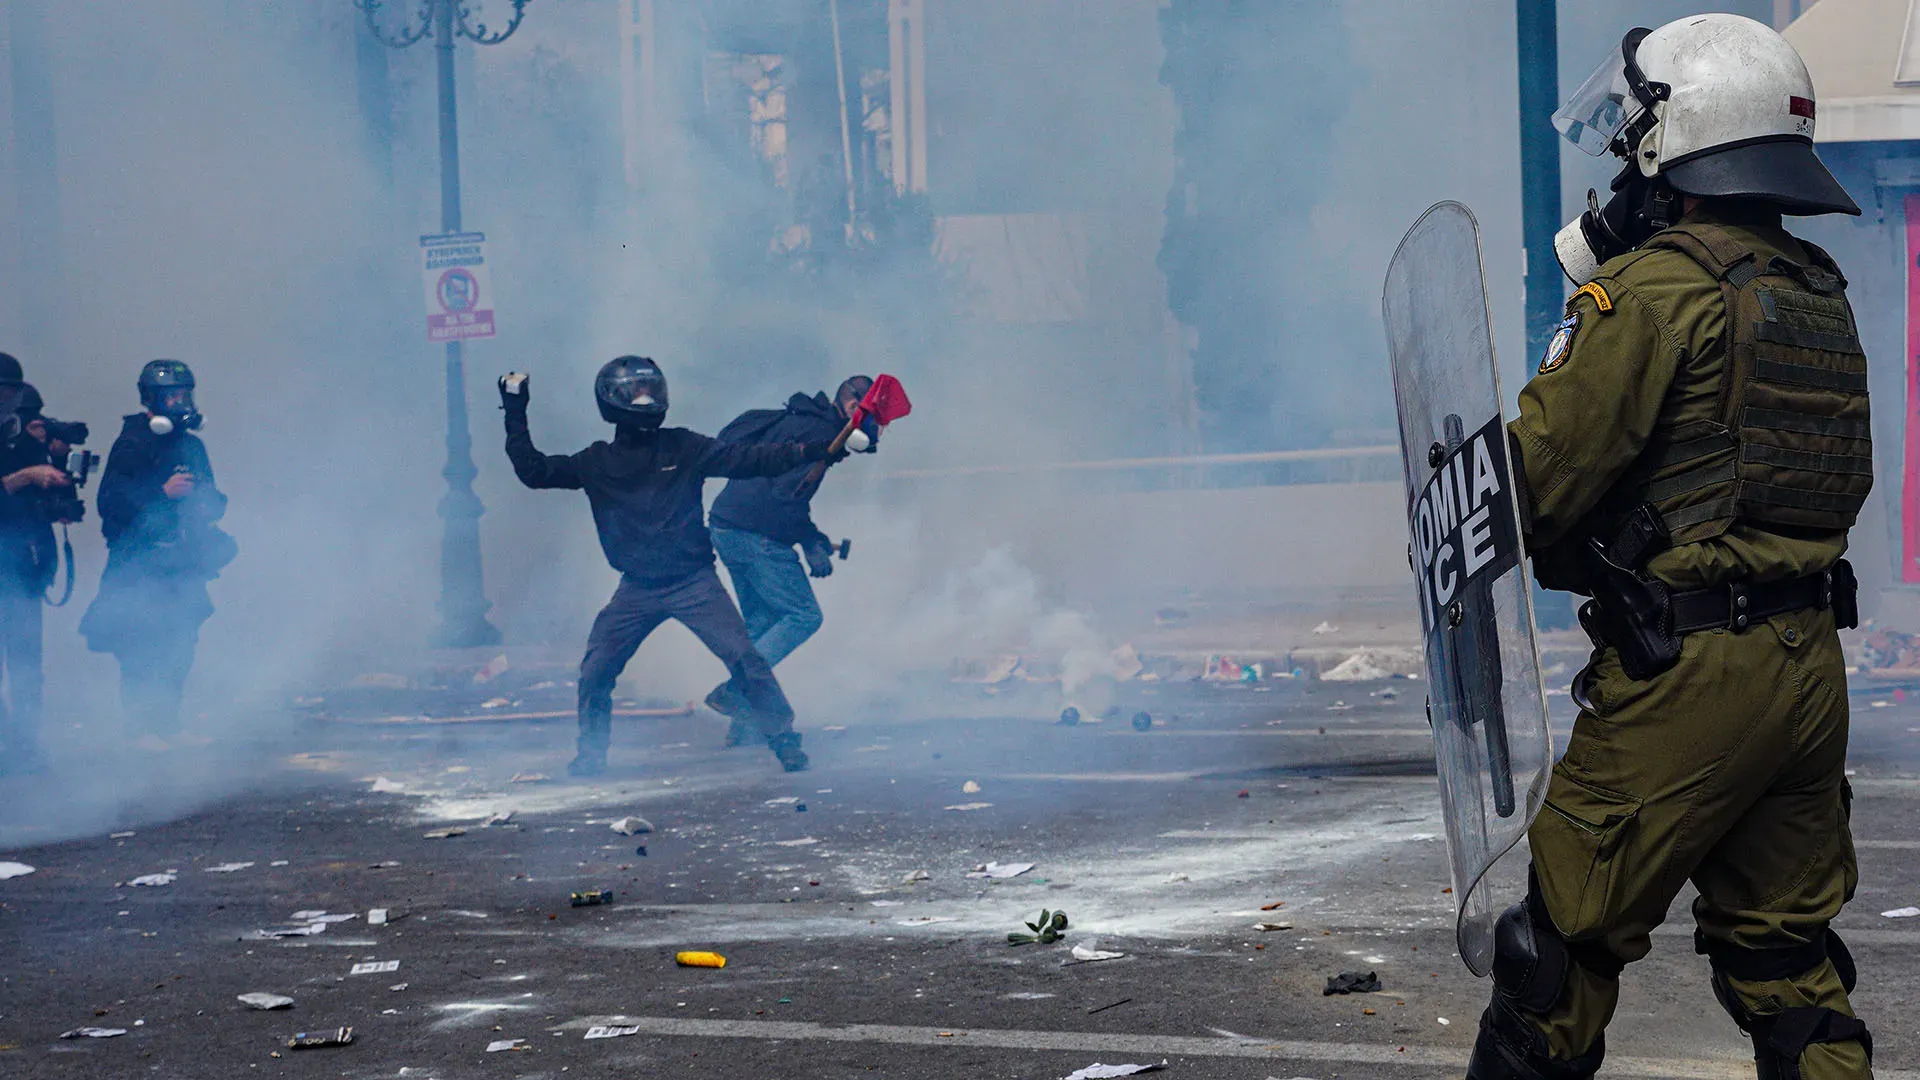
[(778, 507)]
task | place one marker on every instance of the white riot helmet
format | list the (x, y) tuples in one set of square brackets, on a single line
[(1715, 106)]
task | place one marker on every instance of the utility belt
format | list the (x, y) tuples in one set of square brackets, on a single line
[(1644, 619)]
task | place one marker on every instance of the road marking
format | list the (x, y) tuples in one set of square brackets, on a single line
[(1311, 731), (1144, 1045), (1888, 845)]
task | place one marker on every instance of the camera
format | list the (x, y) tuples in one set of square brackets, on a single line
[(66, 505), (71, 432)]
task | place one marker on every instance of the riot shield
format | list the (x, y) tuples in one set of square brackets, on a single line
[(1485, 701)]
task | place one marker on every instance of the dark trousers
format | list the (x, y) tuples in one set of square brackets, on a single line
[(20, 655), (702, 605), (153, 675)]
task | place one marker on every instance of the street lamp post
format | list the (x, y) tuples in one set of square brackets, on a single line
[(463, 600)]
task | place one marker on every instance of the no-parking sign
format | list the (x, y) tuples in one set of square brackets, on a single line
[(459, 286)]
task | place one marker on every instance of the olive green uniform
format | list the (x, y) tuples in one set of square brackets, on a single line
[(1728, 769)]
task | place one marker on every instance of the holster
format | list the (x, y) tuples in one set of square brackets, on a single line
[(1632, 610)]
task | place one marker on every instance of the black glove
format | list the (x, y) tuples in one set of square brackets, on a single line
[(514, 388), (819, 556), (824, 451)]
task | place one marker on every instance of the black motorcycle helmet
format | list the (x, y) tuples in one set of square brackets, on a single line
[(166, 391), (13, 384), (632, 392)]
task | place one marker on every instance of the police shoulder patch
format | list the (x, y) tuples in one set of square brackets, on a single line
[(1561, 344), (1599, 293)]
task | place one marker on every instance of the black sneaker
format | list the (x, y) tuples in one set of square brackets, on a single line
[(588, 763), (787, 749), (723, 700)]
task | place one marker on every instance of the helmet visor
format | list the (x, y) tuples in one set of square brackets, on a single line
[(1600, 109)]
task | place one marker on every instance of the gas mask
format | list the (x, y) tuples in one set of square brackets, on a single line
[(1640, 207), (166, 392)]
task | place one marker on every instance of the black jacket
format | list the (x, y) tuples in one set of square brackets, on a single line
[(778, 507), (645, 487), (27, 551), (161, 552)]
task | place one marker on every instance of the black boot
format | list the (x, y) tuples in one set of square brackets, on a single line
[(786, 747), (723, 700), (589, 761)]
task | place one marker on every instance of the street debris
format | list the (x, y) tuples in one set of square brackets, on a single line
[(385, 864), (313, 1040), (384, 786), (397, 987), (1175, 879), (971, 787), (632, 826), (445, 834), (1069, 716), (122, 835), (805, 841), (593, 898), (604, 1032), (377, 916), (1275, 906), (1104, 1008), (1000, 871), (1142, 721), (375, 967), (317, 915), (527, 778), (1270, 927), (787, 800), (14, 870), (916, 875), (1366, 665), (93, 1033), (1089, 952), (496, 703), (700, 959), (1050, 927), (1326, 628), (970, 806), (491, 670), (228, 868), (1097, 1071), (499, 1045), (154, 881), (303, 930), (925, 920), (1901, 913), (265, 1001), (497, 819), (1352, 982)]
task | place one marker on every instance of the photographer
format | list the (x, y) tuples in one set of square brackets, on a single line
[(29, 484), (158, 505)]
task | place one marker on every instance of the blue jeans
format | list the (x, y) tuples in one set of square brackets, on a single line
[(775, 596)]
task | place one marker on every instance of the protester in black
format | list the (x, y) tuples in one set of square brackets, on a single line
[(158, 507), (644, 488), (27, 557)]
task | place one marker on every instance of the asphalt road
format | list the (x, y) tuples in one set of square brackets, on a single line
[(1165, 846)]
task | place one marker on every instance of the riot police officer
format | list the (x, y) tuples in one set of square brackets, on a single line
[(1693, 451)]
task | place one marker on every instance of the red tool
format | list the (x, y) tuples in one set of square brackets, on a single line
[(885, 401)]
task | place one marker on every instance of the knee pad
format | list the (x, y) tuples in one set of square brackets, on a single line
[(1530, 958), (1780, 1039)]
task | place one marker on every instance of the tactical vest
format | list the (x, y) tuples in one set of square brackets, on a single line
[(1791, 445)]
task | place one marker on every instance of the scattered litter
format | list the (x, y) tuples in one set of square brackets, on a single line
[(384, 786), (700, 959), (1142, 721), (1089, 952), (970, 806), (1175, 879), (1244, 794), (526, 778), (303, 930), (495, 703), (497, 819), (1069, 716), (1338, 706), (787, 800), (1275, 906), (889, 903), (1125, 662), (1220, 669), (1326, 628), (266, 1001), (397, 987), (1365, 665), (917, 875), (834, 727), (375, 967), (498, 1045), (1104, 1008), (313, 1040), (1444, 1022), (445, 834), (925, 920), (971, 787), (1050, 927), (800, 808), (377, 916), (318, 916), (1270, 927), (805, 841), (228, 867), (592, 898), (1881, 703), (93, 1033), (278, 862), (1901, 913), (384, 865), (632, 826), (603, 1032), (1097, 1071), (122, 835), (14, 870), (1351, 982), (154, 881), (1000, 870)]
